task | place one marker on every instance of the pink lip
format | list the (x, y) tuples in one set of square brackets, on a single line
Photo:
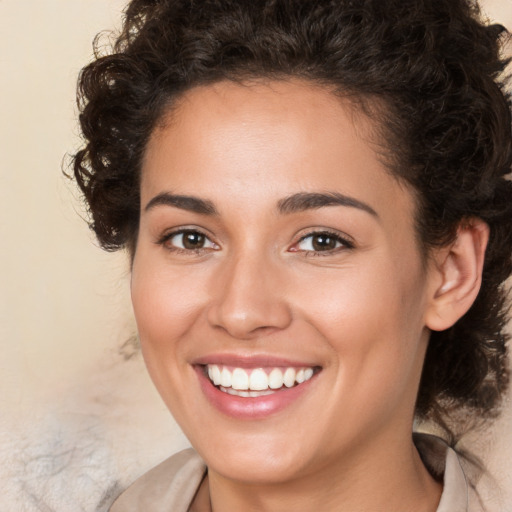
[(252, 361), (251, 408)]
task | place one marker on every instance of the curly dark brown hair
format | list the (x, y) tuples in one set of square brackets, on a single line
[(432, 65)]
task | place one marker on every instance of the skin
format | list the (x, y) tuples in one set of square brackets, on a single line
[(361, 311)]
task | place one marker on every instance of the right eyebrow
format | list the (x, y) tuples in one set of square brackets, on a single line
[(303, 201), (189, 203)]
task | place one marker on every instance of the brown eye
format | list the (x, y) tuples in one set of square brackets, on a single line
[(188, 240), (322, 242), (193, 240)]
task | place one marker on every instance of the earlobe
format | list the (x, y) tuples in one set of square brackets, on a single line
[(457, 275)]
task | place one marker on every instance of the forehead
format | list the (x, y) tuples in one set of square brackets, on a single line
[(264, 108), (268, 139)]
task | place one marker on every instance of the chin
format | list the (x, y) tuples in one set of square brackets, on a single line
[(253, 458)]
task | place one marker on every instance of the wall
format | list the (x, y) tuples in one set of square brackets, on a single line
[(74, 406)]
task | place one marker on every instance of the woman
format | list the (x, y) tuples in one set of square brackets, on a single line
[(314, 199)]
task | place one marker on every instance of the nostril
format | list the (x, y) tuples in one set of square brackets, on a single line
[(246, 331), (246, 300), (246, 323)]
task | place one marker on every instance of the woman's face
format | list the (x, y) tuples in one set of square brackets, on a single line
[(276, 253)]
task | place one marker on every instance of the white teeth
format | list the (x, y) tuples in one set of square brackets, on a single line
[(289, 377), (240, 379), (275, 379), (261, 393), (214, 374), (242, 382), (246, 394), (225, 378), (258, 380)]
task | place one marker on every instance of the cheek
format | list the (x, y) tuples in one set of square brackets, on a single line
[(166, 307), (371, 316), (372, 295), (165, 303)]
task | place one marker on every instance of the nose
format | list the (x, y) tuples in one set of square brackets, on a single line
[(249, 298)]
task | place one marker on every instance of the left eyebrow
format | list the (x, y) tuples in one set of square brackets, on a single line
[(313, 200), (189, 203)]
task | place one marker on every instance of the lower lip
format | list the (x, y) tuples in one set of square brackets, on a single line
[(250, 408)]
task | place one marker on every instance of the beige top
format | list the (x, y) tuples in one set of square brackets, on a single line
[(172, 485)]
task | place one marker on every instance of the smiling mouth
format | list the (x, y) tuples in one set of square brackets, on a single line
[(256, 382)]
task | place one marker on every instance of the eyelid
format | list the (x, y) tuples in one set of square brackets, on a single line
[(346, 241), (169, 234)]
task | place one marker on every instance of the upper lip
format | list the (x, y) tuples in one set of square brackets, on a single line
[(251, 361)]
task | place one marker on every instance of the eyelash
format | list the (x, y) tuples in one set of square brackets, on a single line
[(344, 243), (163, 241)]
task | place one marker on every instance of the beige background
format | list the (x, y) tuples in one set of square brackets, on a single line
[(78, 415)]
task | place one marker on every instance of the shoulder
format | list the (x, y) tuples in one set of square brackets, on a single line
[(169, 486)]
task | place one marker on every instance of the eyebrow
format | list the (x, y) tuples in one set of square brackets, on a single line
[(295, 203), (189, 203), (312, 200)]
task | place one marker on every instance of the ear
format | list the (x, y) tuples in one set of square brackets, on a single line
[(456, 275)]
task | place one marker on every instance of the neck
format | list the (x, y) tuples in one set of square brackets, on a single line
[(386, 477)]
